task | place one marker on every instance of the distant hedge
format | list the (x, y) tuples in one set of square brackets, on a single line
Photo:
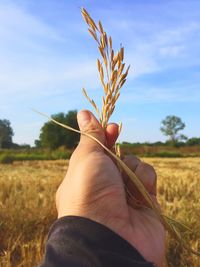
[(7, 157)]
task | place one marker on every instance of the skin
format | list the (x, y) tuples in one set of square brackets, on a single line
[(94, 188)]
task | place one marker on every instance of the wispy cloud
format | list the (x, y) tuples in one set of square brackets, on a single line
[(18, 25), (29, 59), (173, 51), (162, 95)]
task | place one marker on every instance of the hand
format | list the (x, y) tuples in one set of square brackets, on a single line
[(94, 188)]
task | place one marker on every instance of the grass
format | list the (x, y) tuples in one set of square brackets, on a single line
[(150, 150), (27, 207), (178, 180), (9, 156), (141, 150)]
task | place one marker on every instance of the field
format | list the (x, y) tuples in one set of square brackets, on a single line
[(27, 206)]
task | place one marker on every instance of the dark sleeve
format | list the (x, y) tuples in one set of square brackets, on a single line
[(80, 242)]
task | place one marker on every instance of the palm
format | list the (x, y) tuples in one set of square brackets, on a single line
[(147, 235)]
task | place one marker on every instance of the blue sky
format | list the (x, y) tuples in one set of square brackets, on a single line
[(47, 56)]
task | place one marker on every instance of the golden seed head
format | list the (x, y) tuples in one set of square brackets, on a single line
[(110, 70)]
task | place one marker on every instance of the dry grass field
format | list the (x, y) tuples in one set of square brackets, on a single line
[(27, 207)]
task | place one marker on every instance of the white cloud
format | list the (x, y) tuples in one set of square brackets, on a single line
[(172, 51), (141, 61), (18, 25), (27, 78), (161, 95), (178, 33), (172, 46), (29, 60)]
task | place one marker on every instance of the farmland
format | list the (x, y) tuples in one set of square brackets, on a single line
[(27, 207)]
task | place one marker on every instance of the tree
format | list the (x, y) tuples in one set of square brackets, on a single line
[(37, 143), (6, 134), (53, 136), (193, 141), (170, 126)]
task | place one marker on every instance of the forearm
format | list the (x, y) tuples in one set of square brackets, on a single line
[(80, 242)]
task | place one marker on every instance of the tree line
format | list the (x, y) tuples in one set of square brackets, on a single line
[(53, 136)]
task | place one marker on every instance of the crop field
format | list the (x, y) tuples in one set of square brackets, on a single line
[(27, 208)]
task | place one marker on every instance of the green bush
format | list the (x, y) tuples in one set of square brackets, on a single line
[(8, 156), (57, 154), (6, 159)]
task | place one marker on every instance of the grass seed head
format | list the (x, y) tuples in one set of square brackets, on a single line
[(110, 70)]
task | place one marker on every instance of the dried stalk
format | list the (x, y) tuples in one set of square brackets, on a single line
[(110, 68)]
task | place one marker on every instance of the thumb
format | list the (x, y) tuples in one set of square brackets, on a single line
[(90, 125)]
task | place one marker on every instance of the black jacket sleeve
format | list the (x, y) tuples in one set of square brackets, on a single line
[(80, 242)]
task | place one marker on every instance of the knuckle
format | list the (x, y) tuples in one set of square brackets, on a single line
[(131, 158), (148, 168), (93, 129), (131, 161)]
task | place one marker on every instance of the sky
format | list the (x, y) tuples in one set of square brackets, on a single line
[(47, 56)]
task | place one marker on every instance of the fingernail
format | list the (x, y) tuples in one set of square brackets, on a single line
[(83, 118)]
